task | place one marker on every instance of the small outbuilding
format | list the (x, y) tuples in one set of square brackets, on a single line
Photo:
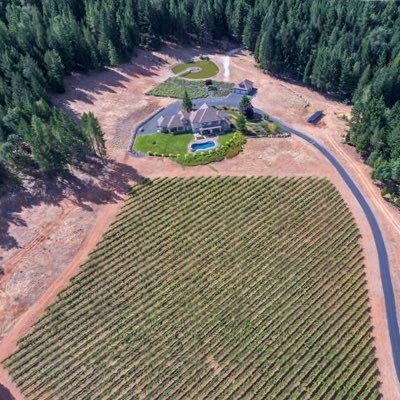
[(315, 117), (244, 87)]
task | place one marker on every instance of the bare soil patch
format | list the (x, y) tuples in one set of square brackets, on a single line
[(46, 237)]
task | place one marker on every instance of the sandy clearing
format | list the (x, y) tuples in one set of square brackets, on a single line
[(117, 96)]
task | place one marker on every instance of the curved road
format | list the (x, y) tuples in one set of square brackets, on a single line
[(233, 100), (390, 303)]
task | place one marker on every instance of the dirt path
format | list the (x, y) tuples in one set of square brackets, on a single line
[(8, 344), (40, 238), (117, 93)]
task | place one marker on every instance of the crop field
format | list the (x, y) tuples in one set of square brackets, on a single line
[(176, 87), (213, 288)]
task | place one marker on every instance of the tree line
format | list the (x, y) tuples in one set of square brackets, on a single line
[(347, 48)]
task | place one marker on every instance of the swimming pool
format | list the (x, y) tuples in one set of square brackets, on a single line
[(202, 146)]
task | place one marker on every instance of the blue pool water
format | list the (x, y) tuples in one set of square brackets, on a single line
[(202, 146)]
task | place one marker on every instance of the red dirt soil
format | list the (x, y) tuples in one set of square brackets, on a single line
[(48, 240)]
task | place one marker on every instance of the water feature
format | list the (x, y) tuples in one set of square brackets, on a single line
[(202, 146), (227, 71)]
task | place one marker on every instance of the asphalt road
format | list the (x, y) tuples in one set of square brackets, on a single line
[(390, 302)]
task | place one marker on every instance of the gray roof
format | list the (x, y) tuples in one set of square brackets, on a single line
[(245, 85), (173, 121), (205, 114)]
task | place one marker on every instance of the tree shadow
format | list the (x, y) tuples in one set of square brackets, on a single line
[(94, 183), (5, 394)]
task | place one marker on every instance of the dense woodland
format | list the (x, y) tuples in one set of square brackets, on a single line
[(348, 48)]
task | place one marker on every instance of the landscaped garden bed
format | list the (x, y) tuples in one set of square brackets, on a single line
[(201, 69), (258, 126), (176, 87)]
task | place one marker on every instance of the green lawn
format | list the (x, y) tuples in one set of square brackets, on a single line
[(224, 139), (208, 69), (163, 143)]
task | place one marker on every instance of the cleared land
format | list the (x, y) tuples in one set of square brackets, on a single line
[(175, 88), (207, 68), (212, 288)]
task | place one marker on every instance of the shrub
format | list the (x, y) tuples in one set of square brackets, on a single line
[(241, 124), (274, 129)]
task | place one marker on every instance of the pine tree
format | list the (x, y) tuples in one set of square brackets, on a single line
[(187, 104), (250, 31), (112, 54), (55, 71), (91, 129), (241, 124)]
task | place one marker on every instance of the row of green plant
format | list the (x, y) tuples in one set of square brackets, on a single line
[(258, 279), (176, 87)]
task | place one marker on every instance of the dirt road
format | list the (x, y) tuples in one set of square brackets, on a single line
[(54, 237)]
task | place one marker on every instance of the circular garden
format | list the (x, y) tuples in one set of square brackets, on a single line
[(201, 69)]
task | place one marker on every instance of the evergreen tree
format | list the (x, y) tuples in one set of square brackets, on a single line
[(241, 124), (55, 71), (112, 54), (95, 136), (187, 104)]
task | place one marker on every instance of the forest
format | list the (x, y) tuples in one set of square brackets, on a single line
[(346, 48)]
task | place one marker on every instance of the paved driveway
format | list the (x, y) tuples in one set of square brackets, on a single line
[(384, 268)]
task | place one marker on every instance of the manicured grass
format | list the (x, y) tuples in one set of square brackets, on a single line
[(212, 288), (168, 145), (224, 139), (208, 69), (176, 87), (163, 143)]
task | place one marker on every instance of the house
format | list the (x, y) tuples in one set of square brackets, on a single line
[(244, 87), (206, 120), (175, 123), (315, 117)]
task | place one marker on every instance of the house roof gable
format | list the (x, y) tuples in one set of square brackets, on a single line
[(245, 84)]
